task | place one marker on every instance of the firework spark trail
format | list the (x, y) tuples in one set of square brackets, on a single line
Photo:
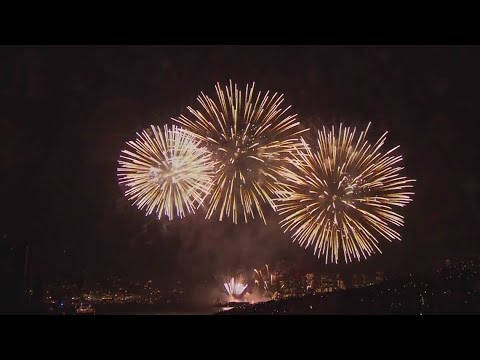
[(166, 172), (268, 282), (234, 288), (343, 195), (265, 282), (250, 137)]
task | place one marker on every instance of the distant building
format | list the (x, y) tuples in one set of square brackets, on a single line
[(359, 280), (327, 283), (340, 283), (309, 281)]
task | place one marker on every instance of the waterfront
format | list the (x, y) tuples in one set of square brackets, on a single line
[(141, 309)]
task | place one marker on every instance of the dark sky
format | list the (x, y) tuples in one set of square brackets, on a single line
[(66, 111)]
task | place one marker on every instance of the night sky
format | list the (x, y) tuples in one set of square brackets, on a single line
[(66, 112)]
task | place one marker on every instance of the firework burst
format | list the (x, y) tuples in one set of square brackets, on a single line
[(166, 172), (344, 195), (234, 288), (268, 282), (250, 136), (265, 279)]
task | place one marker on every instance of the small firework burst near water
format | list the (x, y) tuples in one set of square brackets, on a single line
[(234, 288), (344, 195), (250, 136), (167, 172)]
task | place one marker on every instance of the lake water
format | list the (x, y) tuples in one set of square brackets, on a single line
[(167, 309)]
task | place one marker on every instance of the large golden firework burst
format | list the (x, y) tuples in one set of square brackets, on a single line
[(343, 195), (167, 172), (250, 137)]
